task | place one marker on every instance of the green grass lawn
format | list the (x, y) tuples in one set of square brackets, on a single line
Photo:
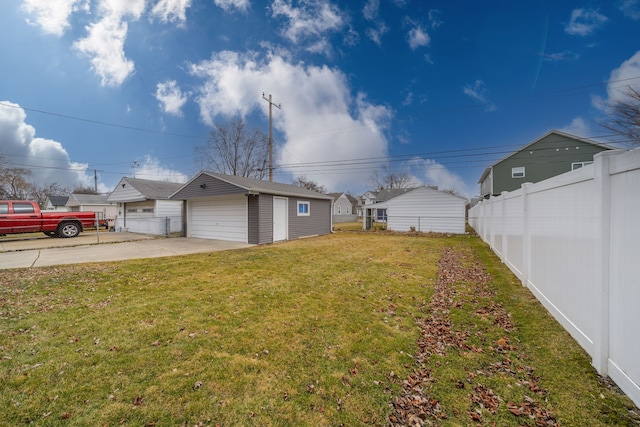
[(315, 332)]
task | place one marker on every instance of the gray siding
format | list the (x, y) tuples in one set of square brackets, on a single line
[(212, 187), (253, 231), (546, 158), (318, 221), (266, 218)]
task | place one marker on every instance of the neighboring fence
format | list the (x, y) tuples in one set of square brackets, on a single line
[(162, 226), (344, 218), (574, 240)]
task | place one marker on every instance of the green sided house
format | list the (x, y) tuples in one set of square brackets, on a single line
[(247, 210), (552, 154)]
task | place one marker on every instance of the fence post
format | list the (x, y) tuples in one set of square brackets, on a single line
[(490, 223), (526, 234), (602, 259), (503, 226)]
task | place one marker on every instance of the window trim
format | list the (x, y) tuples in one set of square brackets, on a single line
[(515, 172), (303, 203), (582, 164)]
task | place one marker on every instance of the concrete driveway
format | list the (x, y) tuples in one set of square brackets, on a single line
[(43, 251)]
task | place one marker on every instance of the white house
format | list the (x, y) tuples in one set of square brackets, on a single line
[(92, 203), (344, 207), (57, 203), (143, 206), (422, 209)]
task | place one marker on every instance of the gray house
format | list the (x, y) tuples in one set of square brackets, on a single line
[(344, 207), (253, 211), (552, 154), (144, 206)]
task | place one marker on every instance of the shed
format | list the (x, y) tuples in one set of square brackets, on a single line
[(144, 206), (235, 208), (424, 209), (92, 203)]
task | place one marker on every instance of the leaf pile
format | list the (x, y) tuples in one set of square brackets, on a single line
[(463, 284)]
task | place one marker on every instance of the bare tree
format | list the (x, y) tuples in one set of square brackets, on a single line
[(233, 150), (391, 180), (624, 115), (14, 184), (303, 182)]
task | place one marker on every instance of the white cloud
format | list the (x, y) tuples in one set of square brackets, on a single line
[(630, 8), (478, 91), (47, 159), (371, 9), (376, 34), (578, 127), (310, 21), (171, 10), (53, 15), (151, 169), (171, 98), (628, 73), (584, 22), (105, 46), (227, 5), (433, 173), (418, 38), (320, 120)]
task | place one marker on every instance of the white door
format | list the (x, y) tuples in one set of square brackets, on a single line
[(220, 218), (279, 219)]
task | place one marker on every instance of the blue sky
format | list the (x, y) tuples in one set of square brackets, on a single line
[(436, 89)]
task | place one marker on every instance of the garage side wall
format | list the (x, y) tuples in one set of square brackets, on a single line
[(316, 223), (260, 219)]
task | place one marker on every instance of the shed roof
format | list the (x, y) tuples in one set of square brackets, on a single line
[(87, 200), (257, 186), (147, 189)]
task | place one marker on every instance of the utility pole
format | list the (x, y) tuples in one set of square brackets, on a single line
[(270, 134)]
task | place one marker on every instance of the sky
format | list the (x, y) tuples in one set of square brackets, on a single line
[(437, 90)]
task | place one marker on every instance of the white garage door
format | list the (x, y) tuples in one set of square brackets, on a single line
[(220, 218)]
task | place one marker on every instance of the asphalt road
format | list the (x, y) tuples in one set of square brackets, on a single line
[(38, 251)]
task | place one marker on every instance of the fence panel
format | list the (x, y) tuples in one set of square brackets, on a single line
[(573, 240)]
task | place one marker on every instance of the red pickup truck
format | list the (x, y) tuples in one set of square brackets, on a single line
[(24, 216)]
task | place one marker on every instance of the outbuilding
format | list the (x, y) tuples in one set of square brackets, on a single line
[(241, 209), (423, 209), (144, 206)]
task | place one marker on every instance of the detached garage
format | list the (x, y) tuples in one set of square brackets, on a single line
[(239, 209)]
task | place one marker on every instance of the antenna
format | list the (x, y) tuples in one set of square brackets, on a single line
[(134, 166)]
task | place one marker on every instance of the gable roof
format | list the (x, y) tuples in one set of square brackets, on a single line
[(58, 200), (145, 189), (551, 132), (87, 200), (257, 186), (386, 195)]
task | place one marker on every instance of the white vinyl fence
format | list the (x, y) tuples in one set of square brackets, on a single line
[(574, 241)]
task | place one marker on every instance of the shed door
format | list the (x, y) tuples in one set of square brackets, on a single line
[(220, 218), (279, 219)]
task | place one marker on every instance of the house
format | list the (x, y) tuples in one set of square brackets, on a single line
[(552, 154), (144, 206), (92, 203), (253, 211), (423, 209), (57, 204), (366, 199), (344, 207)]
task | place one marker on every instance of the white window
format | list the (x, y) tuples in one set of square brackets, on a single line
[(132, 210), (339, 210), (303, 208), (348, 209), (578, 165), (517, 172), (147, 210)]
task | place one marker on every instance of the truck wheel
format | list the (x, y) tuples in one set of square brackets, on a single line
[(68, 229)]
